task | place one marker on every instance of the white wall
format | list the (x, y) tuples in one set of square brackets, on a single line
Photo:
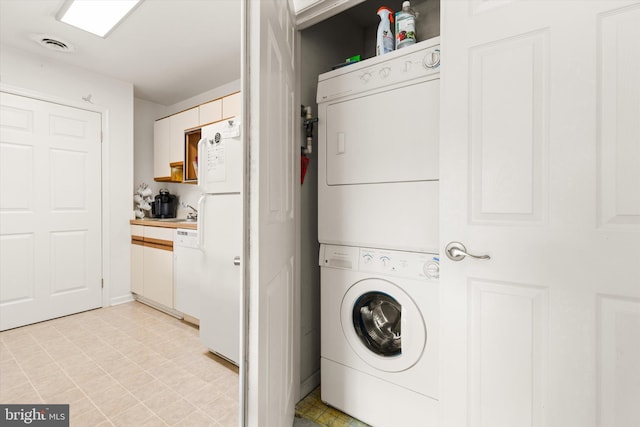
[(54, 79), (329, 47), (145, 114)]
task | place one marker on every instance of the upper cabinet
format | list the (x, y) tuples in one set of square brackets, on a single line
[(179, 123), (210, 112), (176, 138), (231, 105), (161, 148)]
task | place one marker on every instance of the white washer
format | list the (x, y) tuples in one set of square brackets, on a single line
[(379, 334), (378, 139)]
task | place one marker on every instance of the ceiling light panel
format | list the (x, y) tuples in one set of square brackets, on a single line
[(96, 16)]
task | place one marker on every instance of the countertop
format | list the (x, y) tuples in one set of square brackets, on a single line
[(172, 223)]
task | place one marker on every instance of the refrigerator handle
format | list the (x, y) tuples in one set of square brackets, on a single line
[(201, 213), (202, 160)]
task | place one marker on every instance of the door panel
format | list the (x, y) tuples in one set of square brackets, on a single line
[(273, 270), (50, 210), (540, 171)]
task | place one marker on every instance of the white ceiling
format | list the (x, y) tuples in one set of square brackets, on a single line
[(170, 50)]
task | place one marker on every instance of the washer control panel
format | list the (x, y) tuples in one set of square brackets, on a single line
[(412, 265)]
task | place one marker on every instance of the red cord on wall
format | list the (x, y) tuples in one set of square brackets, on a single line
[(304, 163)]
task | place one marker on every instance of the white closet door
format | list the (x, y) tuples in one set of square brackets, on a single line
[(541, 171), (50, 210), (273, 198)]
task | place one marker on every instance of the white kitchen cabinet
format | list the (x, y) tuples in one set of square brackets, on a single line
[(137, 262), (171, 146), (179, 123), (158, 275), (161, 148), (231, 105), (210, 112), (152, 264)]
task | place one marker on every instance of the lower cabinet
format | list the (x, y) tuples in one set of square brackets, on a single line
[(152, 263)]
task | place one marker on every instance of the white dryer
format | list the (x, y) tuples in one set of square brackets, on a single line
[(379, 334), (378, 139)]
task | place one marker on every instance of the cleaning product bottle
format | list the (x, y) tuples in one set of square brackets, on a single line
[(384, 41), (405, 26)]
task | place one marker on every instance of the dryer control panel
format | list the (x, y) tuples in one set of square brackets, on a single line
[(411, 265), (421, 60)]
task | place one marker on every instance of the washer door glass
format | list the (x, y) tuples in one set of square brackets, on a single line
[(383, 325), (376, 319)]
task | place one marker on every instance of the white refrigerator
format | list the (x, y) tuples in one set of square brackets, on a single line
[(220, 174)]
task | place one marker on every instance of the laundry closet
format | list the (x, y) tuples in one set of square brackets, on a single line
[(322, 46)]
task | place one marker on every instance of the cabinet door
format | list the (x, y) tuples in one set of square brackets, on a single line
[(211, 112), (137, 269), (161, 150), (158, 275), (231, 105), (179, 122)]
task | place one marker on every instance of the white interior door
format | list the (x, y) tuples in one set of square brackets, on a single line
[(50, 211), (541, 171), (273, 185)]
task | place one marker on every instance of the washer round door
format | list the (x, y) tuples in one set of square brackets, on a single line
[(383, 325)]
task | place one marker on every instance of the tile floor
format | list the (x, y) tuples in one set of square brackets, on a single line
[(312, 408), (126, 365)]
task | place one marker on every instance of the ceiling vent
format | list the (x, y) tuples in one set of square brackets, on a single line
[(52, 43)]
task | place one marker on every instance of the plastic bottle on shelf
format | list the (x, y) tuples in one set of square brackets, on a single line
[(384, 40), (405, 26)]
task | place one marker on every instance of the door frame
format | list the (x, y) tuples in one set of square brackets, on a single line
[(104, 175)]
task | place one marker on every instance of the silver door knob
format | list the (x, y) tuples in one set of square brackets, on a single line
[(236, 261), (456, 252)]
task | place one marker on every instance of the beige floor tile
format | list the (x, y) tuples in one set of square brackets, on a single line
[(114, 400), (21, 393), (199, 419), (90, 418), (149, 390), (50, 385), (122, 365), (161, 400), (72, 394), (204, 397), (176, 411), (220, 408), (155, 421), (83, 372), (133, 416), (81, 406), (96, 385)]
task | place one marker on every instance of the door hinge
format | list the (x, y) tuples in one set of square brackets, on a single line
[(102, 283)]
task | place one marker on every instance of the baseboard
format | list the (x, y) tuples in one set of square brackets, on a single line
[(310, 384), (158, 306), (121, 299)]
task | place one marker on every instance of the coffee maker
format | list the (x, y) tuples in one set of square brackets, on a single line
[(164, 205)]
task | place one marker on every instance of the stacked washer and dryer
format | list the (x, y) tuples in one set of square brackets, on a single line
[(378, 207)]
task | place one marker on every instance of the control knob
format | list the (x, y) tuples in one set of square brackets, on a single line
[(431, 269), (432, 59)]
